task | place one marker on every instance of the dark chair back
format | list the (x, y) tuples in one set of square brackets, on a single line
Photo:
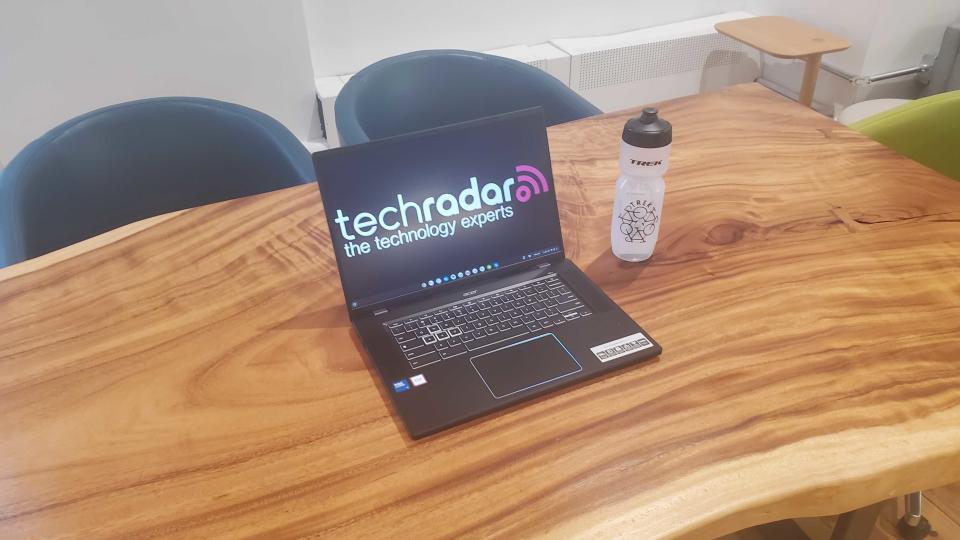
[(131, 161), (427, 89)]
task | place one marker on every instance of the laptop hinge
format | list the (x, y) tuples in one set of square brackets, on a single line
[(544, 265), (381, 311)]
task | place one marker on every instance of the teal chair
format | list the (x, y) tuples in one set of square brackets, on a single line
[(428, 89), (131, 161)]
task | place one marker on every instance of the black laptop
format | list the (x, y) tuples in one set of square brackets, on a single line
[(451, 259)]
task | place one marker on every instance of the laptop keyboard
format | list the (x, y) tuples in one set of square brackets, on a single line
[(498, 317)]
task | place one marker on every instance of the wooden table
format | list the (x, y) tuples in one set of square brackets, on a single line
[(784, 37), (196, 375)]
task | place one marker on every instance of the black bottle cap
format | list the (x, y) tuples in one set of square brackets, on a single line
[(648, 130)]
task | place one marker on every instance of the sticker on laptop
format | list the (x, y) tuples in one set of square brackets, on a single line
[(617, 348), (401, 386), (418, 380)]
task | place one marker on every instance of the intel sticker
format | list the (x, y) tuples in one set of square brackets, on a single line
[(401, 386)]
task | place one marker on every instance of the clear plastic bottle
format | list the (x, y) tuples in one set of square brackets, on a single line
[(638, 203)]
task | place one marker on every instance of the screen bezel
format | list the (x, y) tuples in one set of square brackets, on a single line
[(426, 293)]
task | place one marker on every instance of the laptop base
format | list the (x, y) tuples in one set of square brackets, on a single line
[(444, 393)]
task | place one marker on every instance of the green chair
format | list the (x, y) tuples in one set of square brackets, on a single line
[(926, 130)]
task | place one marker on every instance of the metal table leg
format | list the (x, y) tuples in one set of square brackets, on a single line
[(913, 526)]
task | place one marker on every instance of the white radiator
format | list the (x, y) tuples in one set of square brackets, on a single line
[(543, 56), (328, 88), (630, 69)]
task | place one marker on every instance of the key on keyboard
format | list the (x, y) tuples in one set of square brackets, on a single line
[(495, 317)]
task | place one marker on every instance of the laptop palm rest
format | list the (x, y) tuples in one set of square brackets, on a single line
[(525, 365)]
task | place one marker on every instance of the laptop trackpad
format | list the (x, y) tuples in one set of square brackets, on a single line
[(526, 364)]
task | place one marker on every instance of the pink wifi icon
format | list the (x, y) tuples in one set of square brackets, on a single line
[(528, 186)]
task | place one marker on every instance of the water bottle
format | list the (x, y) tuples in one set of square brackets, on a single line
[(638, 204)]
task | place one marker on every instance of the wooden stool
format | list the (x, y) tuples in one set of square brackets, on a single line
[(784, 37)]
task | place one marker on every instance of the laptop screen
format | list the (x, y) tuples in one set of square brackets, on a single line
[(433, 209)]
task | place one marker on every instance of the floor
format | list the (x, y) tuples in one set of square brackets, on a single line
[(941, 507)]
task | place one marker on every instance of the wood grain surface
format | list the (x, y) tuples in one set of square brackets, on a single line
[(196, 375)]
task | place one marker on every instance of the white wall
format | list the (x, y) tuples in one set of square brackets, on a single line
[(905, 30), (885, 35), (346, 35), (851, 19), (61, 58)]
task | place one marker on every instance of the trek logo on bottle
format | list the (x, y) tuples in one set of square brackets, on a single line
[(646, 163)]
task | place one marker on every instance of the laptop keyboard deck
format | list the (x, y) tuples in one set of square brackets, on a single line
[(497, 317)]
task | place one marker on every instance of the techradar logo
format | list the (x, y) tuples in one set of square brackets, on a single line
[(529, 181), (527, 186)]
